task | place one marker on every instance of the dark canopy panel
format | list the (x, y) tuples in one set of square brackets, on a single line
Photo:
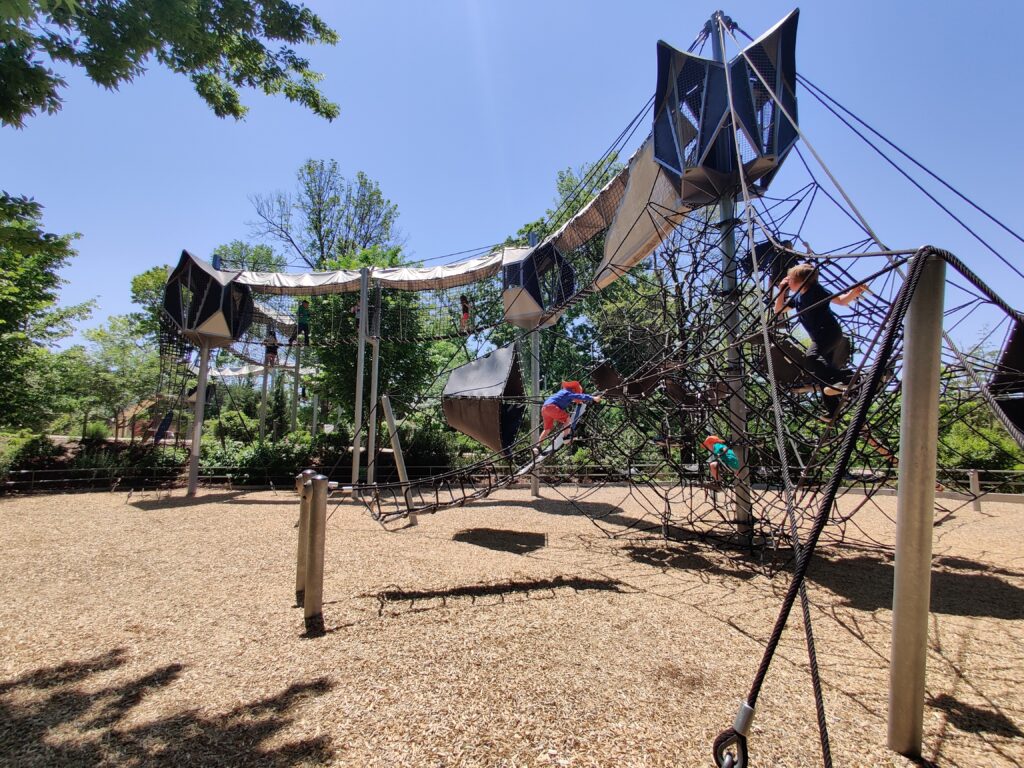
[(539, 281), (474, 399), (1007, 384), (205, 304), (695, 136)]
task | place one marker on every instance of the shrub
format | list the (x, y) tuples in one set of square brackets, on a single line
[(235, 425), (96, 430), (25, 450)]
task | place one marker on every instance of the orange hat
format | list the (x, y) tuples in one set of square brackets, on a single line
[(573, 386), (711, 441)]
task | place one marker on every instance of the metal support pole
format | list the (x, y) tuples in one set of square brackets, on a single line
[(263, 402), (313, 599), (316, 414), (197, 427), (304, 488), (371, 425), (535, 405), (295, 387), (915, 507), (357, 438), (742, 514), (975, 478)]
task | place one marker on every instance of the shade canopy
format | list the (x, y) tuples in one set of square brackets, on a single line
[(695, 135), (205, 304), (475, 398)]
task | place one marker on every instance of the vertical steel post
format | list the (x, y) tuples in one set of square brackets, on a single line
[(197, 427), (535, 405), (295, 387), (371, 424), (304, 488), (915, 509), (357, 438), (263, 402), (313, 599), (316, 414), (742, 515)]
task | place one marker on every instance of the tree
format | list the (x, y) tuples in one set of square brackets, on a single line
[(254, 258), (220, 45), (148, 293), (29, 318), (126, 363), (329, 216)]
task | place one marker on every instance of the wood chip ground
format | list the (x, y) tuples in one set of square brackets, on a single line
[(160, 631)]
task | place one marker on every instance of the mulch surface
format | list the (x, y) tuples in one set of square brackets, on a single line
[(157, 630)]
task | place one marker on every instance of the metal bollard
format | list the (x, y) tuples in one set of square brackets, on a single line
[(314, 594), (303, 488)]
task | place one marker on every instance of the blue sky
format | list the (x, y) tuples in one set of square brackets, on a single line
[(465, 110)]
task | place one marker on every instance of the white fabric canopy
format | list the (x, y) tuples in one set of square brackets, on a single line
[(303, 284), (399, 278)]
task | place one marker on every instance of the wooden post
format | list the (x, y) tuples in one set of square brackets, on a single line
[(304, 487), (975, 478), (313, 598)]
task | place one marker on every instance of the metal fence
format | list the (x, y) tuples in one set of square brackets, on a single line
[(1001, 482)]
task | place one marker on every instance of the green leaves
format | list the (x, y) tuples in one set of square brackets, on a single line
[(220, 45)]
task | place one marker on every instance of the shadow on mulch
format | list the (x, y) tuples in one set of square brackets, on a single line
[(35, 730), (173, 502), (865, 582), (500, 589), (975, 719), (605, 513), (685, 559), (516, 542)]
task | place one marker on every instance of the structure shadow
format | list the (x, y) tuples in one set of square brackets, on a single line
[(48, 719), (173, 502), (865, 583), (516, 542), (683, 558), (971, 719), (500, 590), (600, 511)]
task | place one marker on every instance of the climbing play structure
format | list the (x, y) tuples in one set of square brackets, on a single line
[(663, 278)]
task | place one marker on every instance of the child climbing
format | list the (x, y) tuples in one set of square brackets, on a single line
[(301, 323), (270, 344), (829, 353), (554, 410), (721, 453), (464, 320)]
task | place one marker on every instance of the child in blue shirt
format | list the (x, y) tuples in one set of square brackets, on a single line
[(555, 407)]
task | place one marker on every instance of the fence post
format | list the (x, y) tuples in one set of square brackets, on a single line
[(304, 488), (313, 599), (973, 474)]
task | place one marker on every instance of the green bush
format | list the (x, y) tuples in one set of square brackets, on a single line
[(96, 430), (234, 425), (25, 450), (259, 459), (428, 446)]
